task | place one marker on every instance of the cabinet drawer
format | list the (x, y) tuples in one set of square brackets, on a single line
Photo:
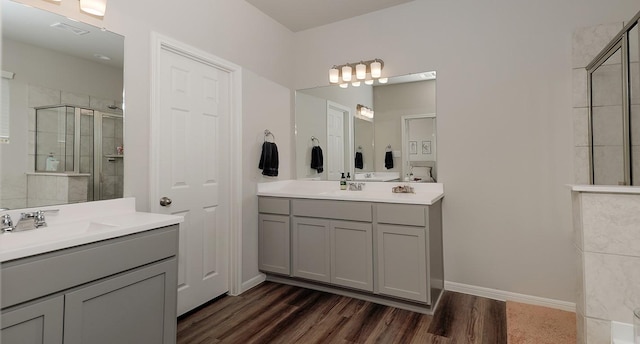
[(273, 205), (32, 277), (329, 209), (402, 214)]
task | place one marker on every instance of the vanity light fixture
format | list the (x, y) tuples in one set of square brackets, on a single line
[(95, 7), (344, 85), (364, 112), (355, 83), (383, 80), (358, 71)]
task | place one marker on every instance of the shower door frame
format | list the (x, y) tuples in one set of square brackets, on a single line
[(619, 42)]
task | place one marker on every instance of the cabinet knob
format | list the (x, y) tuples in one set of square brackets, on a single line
[(165, 201)]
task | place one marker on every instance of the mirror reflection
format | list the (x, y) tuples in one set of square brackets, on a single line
[(61, 126), (379, 132)]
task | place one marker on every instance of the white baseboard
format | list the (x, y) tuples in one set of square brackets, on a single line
[(246, 285), (502, 295)]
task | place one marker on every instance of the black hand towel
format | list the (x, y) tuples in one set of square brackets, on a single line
[(359, 160), (317, 159), (269, 159), (388, 160)]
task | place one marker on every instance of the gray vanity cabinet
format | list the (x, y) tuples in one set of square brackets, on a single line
[(35, 323), (311, 247), (120, 290), (274, 235), (352, 254), (409, 251), (332, 242)]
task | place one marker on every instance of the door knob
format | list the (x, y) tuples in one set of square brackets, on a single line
[(165, 201)]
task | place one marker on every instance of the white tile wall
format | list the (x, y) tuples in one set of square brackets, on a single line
[(75, 99), (611, 223), (598, 331)]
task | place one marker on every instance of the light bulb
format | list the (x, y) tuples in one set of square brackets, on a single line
[(355, 83), (376, 69), (368, 82), (345, 85), (346, 73), (334, 75), (95, 7), (361, 71), (383, 80)]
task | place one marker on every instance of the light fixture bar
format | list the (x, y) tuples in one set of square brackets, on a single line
[(356, 71)]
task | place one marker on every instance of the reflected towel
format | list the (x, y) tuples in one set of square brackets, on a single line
[(269, 159), (359, 160), (388, 160), (317, 159)]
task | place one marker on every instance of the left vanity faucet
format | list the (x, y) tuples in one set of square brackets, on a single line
[(6, 224)]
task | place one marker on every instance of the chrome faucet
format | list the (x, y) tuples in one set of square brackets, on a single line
[(34, 219), (355, 186), (6, 224)]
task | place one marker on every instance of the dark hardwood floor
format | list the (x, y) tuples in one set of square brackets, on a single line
[(278, 313)]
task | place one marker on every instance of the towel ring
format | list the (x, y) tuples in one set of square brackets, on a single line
[(388, 148), (267, 133), (313, 138)]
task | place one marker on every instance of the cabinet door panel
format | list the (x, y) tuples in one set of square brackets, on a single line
[(38, 323), (136, 307), (402, 262), (351, 255), (311, 252), (274, 249)]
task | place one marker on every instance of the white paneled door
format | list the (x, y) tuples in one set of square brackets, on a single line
[(336, 115), (193, 174)]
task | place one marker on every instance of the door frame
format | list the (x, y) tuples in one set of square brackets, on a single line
[(347, 132), (404, 122), (159, 43)]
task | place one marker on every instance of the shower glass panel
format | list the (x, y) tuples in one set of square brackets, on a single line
[(71, 140), (55, 138), (607, 121), (112, 167), (634, 99)]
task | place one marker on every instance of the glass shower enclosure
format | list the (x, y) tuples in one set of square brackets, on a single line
[(614, 110), (75, 140)]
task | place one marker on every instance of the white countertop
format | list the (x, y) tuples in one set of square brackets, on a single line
[(79, 224), (425, 193), (613, 189)]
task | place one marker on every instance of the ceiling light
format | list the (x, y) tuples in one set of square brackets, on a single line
[(383, 80), (355, 83), (95, 7), (345, 73), (345, 85)]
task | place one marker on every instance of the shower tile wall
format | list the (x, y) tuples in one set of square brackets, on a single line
[(606, 235), (42, 96)]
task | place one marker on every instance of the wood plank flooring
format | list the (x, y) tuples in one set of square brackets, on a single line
[(278, 313)]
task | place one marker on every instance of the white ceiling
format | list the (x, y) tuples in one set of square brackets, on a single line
[(298, 15), (33, 26)]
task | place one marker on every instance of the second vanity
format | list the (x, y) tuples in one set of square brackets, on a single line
[(372, 244), (99, 272)]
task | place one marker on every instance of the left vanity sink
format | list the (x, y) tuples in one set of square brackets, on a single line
[(90, 275)]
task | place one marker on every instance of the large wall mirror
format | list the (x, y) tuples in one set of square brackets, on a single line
[(379, 132), (61, 126)]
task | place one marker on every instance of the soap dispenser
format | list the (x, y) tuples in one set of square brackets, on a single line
[(343, 182)]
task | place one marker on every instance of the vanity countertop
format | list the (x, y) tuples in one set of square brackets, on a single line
[(79, 224), (425, 193)]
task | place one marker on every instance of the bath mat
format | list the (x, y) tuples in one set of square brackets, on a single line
[(529, 324)]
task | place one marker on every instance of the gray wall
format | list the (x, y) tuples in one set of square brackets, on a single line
[(504, 123)]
